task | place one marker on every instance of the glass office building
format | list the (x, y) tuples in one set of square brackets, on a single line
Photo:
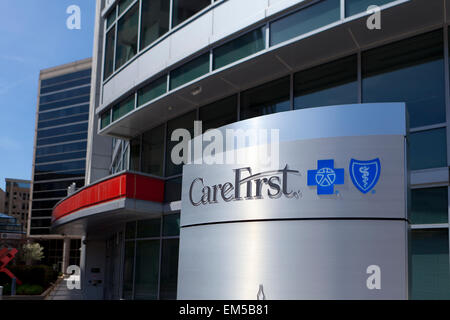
[(166, 64), (60, 147)]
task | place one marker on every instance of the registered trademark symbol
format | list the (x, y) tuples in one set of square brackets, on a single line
[(373, 192), (337, 192)]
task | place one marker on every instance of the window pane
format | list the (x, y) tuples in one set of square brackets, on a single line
[(429, 205), (430, 264), (127, 32), (63, 156), (428, 149), (149, 228), (66, 138), (266, 99), (171, 225), (66, 85), (397, 73), (106, 119), (356, 6), (66, 120), (305, 20), (111, 18), (65, 94), (123, 108), (189, 71), (62, 130), (184, 122), (64, 103), (147, 270), (239, 48), (64, 166), (109, 52), (152, 91), (130, 230), (155, 20), (63, 112), (153, 151), (326, 85), (61, 148), (66, 77), (169, 269), (184, 9), (172, 190), (135, 153), (123, 5), (219, 113), (128, 265)]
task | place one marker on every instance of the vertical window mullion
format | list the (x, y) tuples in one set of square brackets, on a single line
[(160, 256), (359, 76), (171, 15), (115, 39), (342, 9), (138, 47)]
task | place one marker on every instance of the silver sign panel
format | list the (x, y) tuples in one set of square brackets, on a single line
[(329, 222)]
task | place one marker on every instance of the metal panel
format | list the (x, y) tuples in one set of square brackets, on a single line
[(292, 260)]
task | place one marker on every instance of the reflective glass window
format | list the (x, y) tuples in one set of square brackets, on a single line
[(218, 114), (105, 119), (123, 108), (428, 149), (172, 189), (305, 20), (154, 20), (66, 120), (109, 52), (111, 17), (62, 130), (65, 94), (127, 33), (66, 85), (266, 99), (148, 228), (153, 151), (429, 205), (189, 71), (66, 77), (239, 48), (169, 269), (66, 138), (152, 91), (75, 174), (184, 122), (184, 9), (430, 264), (171, 225), (330, 84), (64, 103), (50, 194), (128, 268), (63, 166), (135, 154), (63, 112), (123, 5), (63, 156), (147, 270), (410, 71), (357, 6)]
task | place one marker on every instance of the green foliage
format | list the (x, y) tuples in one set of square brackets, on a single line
[(31, 252), (29, 289), (34, 278)]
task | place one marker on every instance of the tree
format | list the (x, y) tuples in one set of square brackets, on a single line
[(32, 252)]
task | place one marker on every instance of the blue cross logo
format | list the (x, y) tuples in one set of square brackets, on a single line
[(325, 177)]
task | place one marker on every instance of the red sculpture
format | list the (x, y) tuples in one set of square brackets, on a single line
[(6, 256)]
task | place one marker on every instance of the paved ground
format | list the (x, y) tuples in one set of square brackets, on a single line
[(61, 292)]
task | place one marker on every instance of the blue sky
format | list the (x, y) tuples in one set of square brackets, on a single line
[(33, 36)]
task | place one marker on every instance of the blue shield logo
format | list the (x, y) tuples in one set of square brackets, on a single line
[(365, 174)]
